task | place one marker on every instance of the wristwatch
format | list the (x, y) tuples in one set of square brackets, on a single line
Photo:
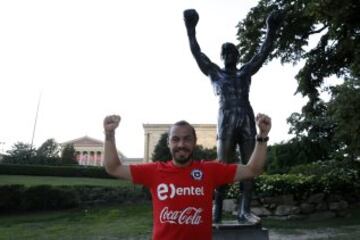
[(262, 139)]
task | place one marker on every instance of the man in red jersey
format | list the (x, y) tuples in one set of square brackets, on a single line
[(182, 189)]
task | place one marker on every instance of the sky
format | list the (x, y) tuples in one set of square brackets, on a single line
[(85, 59)]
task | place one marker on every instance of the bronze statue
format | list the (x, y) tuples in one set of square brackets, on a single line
[(236, 122)]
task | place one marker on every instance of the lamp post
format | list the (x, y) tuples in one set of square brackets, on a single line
[(36, 117)]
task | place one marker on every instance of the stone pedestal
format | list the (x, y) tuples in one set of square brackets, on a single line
[(232, 230)]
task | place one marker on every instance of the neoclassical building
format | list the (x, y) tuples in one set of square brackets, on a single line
[(206, 136), (89, 151)]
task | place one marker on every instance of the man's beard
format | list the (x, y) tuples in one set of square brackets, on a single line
[(182, 159)]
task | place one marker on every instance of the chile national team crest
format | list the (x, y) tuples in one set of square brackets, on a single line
[(197, 174)]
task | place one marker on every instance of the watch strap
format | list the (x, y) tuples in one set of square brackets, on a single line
[(262, 139)]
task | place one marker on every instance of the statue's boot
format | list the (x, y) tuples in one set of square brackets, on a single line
[(217, 210), (244, 212), (249, 218)]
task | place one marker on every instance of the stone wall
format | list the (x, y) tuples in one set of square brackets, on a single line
[(316, 206)]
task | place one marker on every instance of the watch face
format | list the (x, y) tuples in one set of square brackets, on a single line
[(262, 139)]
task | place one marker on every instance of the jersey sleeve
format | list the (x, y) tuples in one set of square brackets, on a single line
[(223, 173), (143, 173)]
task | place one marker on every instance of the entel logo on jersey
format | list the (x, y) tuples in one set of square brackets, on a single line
[(165, 191)]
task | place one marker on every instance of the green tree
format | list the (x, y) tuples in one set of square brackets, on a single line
[(344, 110), (68, 155), (20, 153), (336, 25), (283, 156), (201, 153), (314, 130), (47, 153), (50, 148), (161, 150)]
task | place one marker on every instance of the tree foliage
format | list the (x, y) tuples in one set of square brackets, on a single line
[(201, 153), (344, 110), (46, 154), (334, 28), (283, 156), (337, 23), (50, 148), (68, 154), (20, 153), (161, 150)]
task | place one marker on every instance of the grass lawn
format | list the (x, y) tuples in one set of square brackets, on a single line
[(115, 222), (59, 181), (134, 221), (344, 228)]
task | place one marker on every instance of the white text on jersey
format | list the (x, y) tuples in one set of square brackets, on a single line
[(165, 191)]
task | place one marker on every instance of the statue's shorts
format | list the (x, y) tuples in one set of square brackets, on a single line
[(236, 124)]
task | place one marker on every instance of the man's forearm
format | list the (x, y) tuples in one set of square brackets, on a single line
[(111, 158), (258, 158)]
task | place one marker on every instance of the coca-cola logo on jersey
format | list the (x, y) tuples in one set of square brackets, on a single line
[(165, 191), (189, 215)]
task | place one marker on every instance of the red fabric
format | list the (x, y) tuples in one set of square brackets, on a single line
[(182, 196)]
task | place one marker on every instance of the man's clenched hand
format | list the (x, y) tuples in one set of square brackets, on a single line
[(111, 123), (264, 124)]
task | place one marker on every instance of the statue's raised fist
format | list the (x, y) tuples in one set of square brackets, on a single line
[(191, 18), (275, 18)]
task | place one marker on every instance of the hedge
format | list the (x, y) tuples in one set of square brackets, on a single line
[(45, 197), (47, 170), (340, 181), (333, 176)]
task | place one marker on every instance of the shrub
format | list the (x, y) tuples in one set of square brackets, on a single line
[(45, 197), (44, 170), (11, 197), (279, 184), (321, 168), (334, 176), (339, 181)]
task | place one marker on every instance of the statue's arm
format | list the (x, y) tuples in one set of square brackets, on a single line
[(273, 23), (191, 19)]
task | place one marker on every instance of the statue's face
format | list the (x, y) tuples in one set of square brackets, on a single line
[(229, 54), (230, 58), (181, 144)]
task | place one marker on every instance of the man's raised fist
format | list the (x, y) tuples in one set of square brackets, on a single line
[(111, 123)]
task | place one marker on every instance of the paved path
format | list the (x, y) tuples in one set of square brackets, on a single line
[(344, 232)]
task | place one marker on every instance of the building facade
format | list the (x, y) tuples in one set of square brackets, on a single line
[(90, 151), (206, 136)]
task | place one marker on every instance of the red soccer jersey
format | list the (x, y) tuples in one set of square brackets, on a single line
[(182, 196)]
